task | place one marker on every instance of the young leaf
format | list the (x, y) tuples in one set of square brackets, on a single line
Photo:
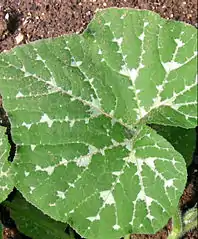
[(6, 183), (78, 104), (190, 219), (34, 223)]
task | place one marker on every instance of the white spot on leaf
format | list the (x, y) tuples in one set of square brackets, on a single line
[(107, 24), (150, 162), (107, 197), (28, 126), (118, 40), (33, 146), (117, 173), (76, 63), (92, 219), (83, 161), (26, 173), (60, 194), (63, 162), (99, 52), (170, 66), (32, 189), (45, 119), (169, 183), (141, 37), (116, 227), (179, 43), (19, 95), (95, 107), (49, 170)]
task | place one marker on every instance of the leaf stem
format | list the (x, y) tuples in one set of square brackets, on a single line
[(177, 225), (182, 225), (128, 236)]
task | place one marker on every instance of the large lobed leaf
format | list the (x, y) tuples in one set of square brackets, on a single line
[(6, 182), (78, 105)]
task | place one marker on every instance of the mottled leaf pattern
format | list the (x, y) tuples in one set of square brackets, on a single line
[(78, 105)]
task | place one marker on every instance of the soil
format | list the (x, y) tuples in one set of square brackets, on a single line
[(23, 21)]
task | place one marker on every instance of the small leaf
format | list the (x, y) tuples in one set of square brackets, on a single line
[(32, 222), (190, 219), (78, 105), (6, 183)]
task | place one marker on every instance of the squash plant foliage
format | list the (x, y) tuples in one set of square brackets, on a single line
[(79, 107)]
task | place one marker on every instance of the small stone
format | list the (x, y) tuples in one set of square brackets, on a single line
[(19, 38), (7, 16)]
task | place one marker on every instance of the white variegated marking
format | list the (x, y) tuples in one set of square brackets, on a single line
[(63, 162), (107, 197), (141, 37), (99, 52), (151, 162), (118, 41), (107, 24), (171, 65), (92, 149), (150, 217), (60, 194), (32, 189), (95, 107), (71, 185), (117, 173), (179, 43), (45, 119), (76, 63), (72, 122), (96, 218), (19, 95), (26, 173), (49, 170), (39, 58), (28, 126), (169, 183), (72, 211), (32, 146), (116, 227), (3, 188), (83, 161)]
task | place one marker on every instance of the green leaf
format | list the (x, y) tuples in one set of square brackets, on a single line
[(32, 222), (78, 105), (6, 183), (183, 140), (1, 231)]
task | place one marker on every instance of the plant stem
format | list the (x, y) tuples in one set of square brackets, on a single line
[(177, 226), (127, 236)]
